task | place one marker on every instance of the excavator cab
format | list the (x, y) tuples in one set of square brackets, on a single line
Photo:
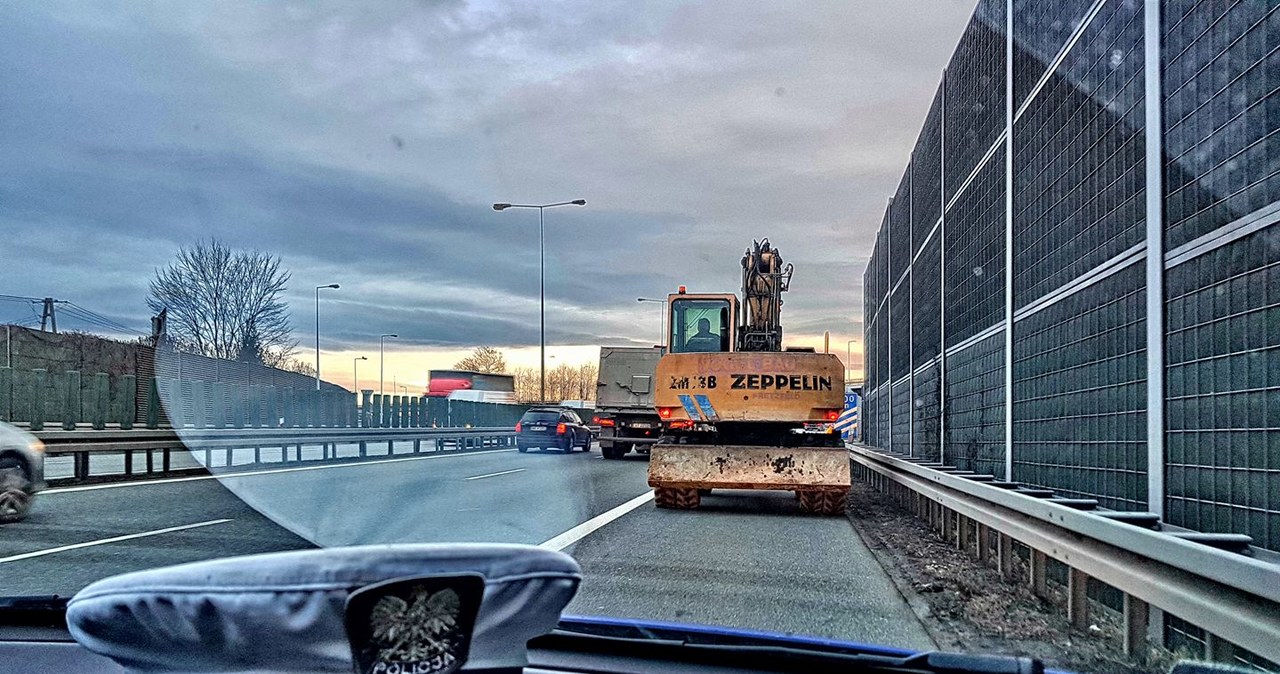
[(702, 323)]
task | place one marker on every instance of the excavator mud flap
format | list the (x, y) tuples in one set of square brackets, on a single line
[(746, 467)]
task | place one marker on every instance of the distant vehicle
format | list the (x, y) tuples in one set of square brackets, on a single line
[(577, 404), (21, 471), (443, 383), (552, 428), (472, 395), (624, 400)]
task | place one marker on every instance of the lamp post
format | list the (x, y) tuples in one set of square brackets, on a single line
[(848, 359), (664, 316), (381, 370), (333, 286), (355, 373), (542, 285)]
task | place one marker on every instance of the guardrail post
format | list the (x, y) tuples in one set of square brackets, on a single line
[(984, 543), (1077, 598), (964, 532), (218, 396), (1218, 649), (37, 395), (1004, 552), (70, 399), (948, 526), (1136, 618), (1036, 578), (80, 462), (100, 401), (6, 394)]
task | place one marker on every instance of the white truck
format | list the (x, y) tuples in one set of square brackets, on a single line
[(624, 400)]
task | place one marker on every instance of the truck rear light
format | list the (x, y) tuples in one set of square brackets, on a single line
[(517, 426), (560, 429), (605, 423), (665, 412), (680, 424)]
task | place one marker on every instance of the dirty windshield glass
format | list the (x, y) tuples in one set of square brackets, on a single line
[(699, 326), (1000, 374)]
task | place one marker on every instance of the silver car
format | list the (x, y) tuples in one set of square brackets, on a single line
[(21, 471)]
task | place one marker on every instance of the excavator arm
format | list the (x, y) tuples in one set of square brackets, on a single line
[(764, 278)]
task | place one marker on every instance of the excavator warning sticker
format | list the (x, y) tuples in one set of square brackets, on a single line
[(780, 382)]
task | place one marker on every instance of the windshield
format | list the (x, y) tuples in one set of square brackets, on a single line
[(987, 311), (699, 326)]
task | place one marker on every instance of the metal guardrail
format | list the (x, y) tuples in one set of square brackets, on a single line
[(1233, 597), (156, 446)]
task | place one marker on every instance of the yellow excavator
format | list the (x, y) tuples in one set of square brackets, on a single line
[(740, 411)]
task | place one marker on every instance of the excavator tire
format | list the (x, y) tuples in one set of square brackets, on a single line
[(678, 499), (822, 501)]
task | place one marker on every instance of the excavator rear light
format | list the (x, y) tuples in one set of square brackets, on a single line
[(832, 415), (665, 412), (683, 290)]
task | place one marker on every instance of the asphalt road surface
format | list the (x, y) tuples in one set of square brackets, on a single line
[(745, 559)]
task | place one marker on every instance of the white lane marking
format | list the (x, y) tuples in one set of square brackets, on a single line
[(581, 531), (505, 472), (265, 471), (114, 539)]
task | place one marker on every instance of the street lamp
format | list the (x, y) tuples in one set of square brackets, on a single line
[(542, 286), (355, 372), (381, 342), (664, 316), (333, 286), (848, 358)]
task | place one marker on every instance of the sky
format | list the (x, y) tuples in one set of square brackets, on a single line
[(365, 145)]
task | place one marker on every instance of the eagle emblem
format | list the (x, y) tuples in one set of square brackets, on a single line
[(418, 629), (416, 625)]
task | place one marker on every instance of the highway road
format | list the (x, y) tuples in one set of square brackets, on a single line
[(746, 559)]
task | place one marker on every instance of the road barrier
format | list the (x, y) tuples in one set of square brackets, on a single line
[(40, 398), (1216, 582), (148, 453)]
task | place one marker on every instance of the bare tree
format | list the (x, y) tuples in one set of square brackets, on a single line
[(527, 383), (298, 365), (483, 359), (224, 303), (564, 382), (588, 374)]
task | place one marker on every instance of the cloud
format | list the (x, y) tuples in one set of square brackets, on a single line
[(364, 145)]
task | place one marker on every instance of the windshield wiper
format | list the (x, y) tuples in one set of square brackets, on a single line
[(772, 656), (33, 611)]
